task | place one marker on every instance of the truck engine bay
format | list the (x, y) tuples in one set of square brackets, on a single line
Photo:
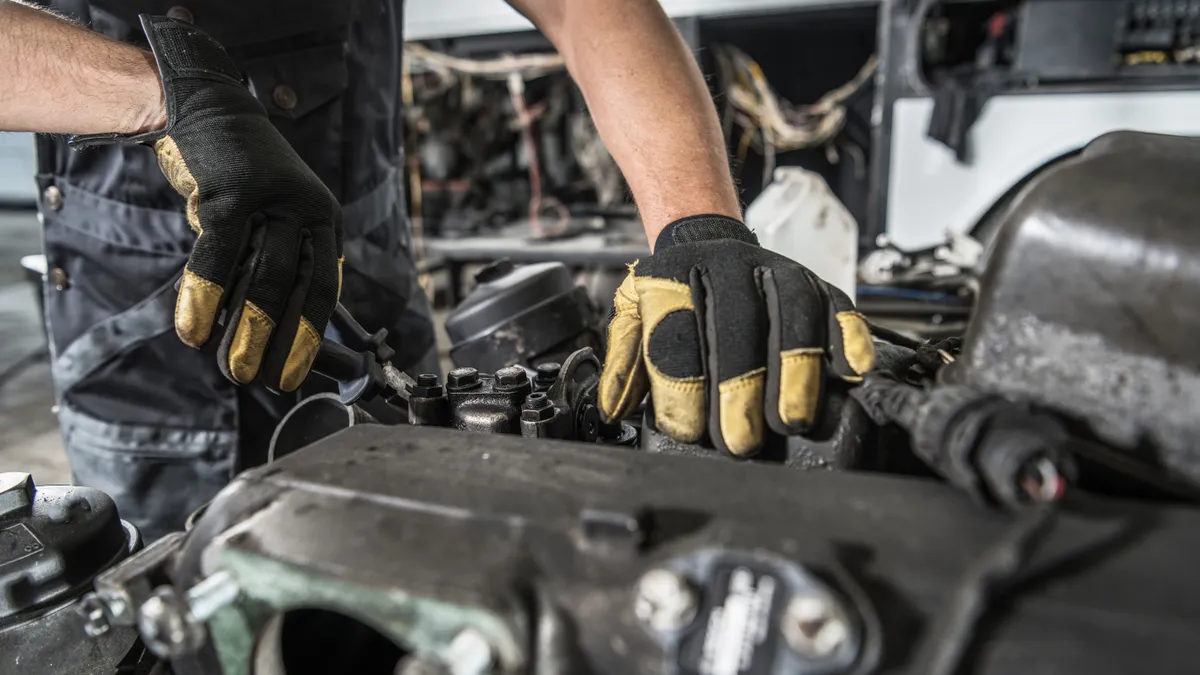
[(1018, 500)]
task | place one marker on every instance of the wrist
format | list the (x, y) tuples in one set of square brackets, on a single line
[(148, 109), (707, 227)]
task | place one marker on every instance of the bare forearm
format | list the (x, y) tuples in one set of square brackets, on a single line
[(60, 78), (650, 103)]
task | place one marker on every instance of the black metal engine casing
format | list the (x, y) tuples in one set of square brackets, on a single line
[(1091, 300), (510, 527)]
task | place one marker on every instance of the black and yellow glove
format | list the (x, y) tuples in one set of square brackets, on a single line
[(269, 234), (726, 335)]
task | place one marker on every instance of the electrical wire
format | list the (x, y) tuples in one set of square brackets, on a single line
[(529, 66), (784, 127)]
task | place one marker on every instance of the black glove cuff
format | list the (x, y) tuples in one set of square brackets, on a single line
[(180, 50), (704, 228)]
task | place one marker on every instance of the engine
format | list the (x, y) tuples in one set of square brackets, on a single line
[(966, 507)]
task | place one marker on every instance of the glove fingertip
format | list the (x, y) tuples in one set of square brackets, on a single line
[(249, 343), (196, 308), (300, 357), (857, 345), (741, 414)]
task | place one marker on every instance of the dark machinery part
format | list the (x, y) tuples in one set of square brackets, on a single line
[(524, 315), (559, 402), (1088, 306), (998, 451), (555, 558), (54, 540)]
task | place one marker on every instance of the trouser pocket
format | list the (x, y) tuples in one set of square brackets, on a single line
[(186, 467)]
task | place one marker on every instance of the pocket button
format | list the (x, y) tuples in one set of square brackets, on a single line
[(285, 97), (181, 14)]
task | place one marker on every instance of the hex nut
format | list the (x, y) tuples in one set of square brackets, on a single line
[(511, 377), (461, 378)]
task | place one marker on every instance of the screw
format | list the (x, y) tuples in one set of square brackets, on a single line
[(461, 378), (511, 377), (16, 492), (665, 600), (427, 380), (815, 626)]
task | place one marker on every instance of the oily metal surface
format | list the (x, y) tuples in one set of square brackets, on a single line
[(487, 522)]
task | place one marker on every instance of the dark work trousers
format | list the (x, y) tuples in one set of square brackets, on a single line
[(144, 418)]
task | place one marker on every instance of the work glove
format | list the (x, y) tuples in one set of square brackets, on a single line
[(726, 335), (268, 251)]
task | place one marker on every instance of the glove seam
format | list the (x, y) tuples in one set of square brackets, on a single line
[(743, 381)]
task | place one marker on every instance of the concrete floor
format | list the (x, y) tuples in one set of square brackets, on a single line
[(29, 439)]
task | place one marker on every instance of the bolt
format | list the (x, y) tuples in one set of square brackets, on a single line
[(589, 423), (538, 408), (548, 372), (167, 626), (511, 377), (427, 386), (95, 615), (212, 594), (16, 492), (665, 600), (815, 626), (119, 605), (461, 378), (468, 654)]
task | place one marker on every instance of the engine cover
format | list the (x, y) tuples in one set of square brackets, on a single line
[(1091, 300), (544, 550)]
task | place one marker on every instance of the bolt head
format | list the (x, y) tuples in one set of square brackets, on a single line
[(463, 377), (665, 600), (427, 380), (16, 492), (168, 627), (548, 371), (815, 626), (511, 377)]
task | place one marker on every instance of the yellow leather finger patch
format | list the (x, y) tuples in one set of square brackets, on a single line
[(623, 382), (678, 405), (300, 358), (249, 343), (856, 342), (170, 160), (196, 308), (799, 385), (742, 417)]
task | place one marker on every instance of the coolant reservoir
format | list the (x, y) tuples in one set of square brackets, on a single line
[(798, 216)]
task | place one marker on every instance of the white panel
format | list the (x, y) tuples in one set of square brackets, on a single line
[(930, 193), (17, 167), (426, 19)]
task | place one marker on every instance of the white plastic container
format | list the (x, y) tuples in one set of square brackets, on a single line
[(798, 216)]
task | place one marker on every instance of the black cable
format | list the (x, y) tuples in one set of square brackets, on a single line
[(989, 577), (895, 337)]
